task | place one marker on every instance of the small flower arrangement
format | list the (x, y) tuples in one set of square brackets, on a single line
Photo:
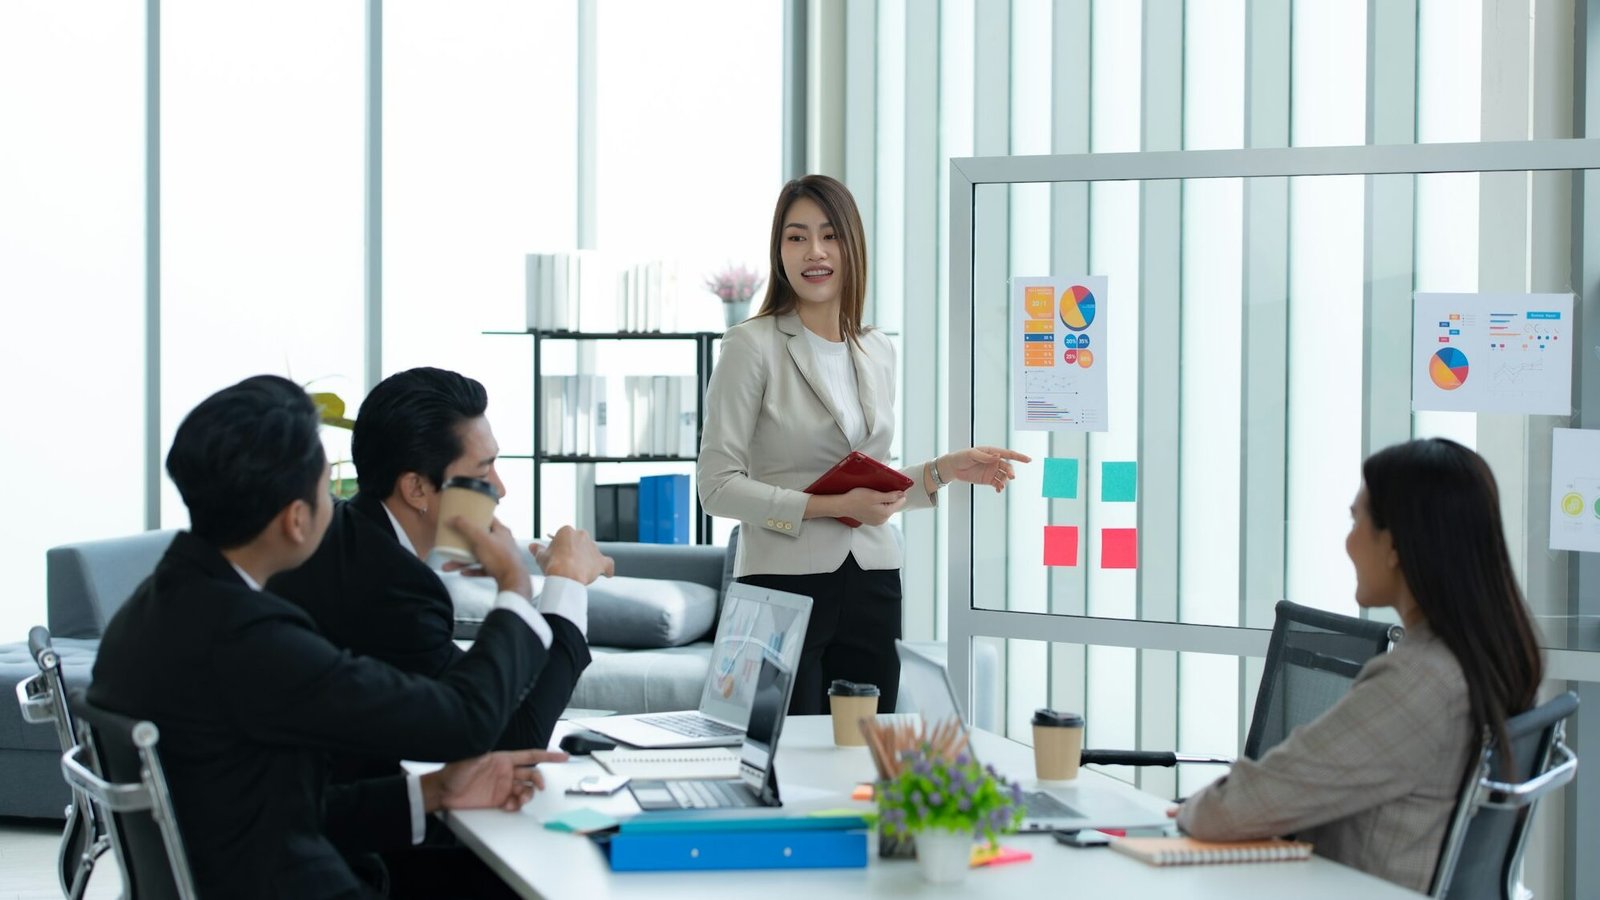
[(734, 284), (932, 791)]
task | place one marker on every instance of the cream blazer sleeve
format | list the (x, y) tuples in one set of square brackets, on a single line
[(769, 432)]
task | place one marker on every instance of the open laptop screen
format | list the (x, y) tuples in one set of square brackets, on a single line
[(756, 623), (773, 686)]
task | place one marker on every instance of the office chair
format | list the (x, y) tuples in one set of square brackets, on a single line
[(1482, 852), (43, 698), (117, 766), (1312, 659)]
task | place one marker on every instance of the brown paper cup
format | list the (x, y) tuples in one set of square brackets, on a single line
[(474, 506), (847, 714), (1056, 752)]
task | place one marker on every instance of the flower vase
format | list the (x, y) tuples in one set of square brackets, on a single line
[(896, 845), (944, 856), (734, 313)]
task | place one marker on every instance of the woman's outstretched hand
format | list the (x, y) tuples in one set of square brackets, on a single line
[(981, 465)]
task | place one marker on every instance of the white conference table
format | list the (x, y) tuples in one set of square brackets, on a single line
[(814, 774)]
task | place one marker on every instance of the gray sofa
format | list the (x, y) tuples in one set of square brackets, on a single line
[(87, 582)]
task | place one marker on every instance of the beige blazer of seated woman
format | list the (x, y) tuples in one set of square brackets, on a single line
[(771, 430)]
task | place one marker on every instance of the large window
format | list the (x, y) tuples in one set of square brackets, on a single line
[(261, 196), (71, 284)]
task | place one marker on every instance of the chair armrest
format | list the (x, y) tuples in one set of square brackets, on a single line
[(1503, 795), (33, 697), (114, 797)]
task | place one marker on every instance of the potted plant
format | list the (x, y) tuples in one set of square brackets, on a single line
[(946, 803), (734, 286)]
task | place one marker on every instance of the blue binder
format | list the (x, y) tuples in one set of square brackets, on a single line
[(664, 509), (663, 851)]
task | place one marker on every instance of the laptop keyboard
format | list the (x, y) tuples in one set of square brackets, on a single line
[(691, 725), (1043, 806), (709, 794)]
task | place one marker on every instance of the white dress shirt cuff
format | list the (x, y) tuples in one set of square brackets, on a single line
[(519, 604), (419, 816), (568, 599)]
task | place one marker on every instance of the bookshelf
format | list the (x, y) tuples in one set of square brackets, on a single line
[(703, 344)]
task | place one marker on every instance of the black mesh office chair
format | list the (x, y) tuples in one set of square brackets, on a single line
[(116, 764), (1483, 848), (43, 699), (1312, 659)]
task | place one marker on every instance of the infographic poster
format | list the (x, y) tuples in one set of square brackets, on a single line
[(1493, 353), (1060, 352), (1575, 490)]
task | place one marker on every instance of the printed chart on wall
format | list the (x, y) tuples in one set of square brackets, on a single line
[(1575, 489), (1506, 353), (1059, 326)]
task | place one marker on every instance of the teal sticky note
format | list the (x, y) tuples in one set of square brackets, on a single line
[(1119, 482), (580, 821), (1061, 478)]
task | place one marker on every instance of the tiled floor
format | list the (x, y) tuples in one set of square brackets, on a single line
[(28, 864)]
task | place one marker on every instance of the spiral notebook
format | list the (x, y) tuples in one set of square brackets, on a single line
[(1186, 851), (669, 765)]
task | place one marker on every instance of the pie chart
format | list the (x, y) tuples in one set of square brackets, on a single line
[(1077, 307), (1448, 369)]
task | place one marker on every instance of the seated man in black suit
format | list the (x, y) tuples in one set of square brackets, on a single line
[(367, 586), (250, 697)]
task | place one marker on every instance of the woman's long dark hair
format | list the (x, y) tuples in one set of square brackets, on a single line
[(850, 237), (1439, 503)]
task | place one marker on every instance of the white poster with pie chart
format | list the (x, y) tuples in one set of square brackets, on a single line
[(1492, 353), (1575, 490), (1058, 329)]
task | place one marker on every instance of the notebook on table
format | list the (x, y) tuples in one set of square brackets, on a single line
[(925, 688), (756, 622), (858, 470), (669, 764), (1186, 851)]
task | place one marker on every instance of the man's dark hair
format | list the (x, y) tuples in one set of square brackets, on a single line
[(244, 454), (411, 422)]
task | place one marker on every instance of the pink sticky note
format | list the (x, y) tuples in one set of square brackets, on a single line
[(1061, 545), (1119, 548)]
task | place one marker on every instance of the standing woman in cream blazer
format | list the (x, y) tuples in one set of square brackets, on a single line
[(799, 386)]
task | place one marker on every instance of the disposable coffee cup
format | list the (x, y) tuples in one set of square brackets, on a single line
[(851, 702), (1057, 744), (472, 499)]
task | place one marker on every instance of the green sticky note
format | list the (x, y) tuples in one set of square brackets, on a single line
[(1119, 482), (1061, 478), (582, 820)]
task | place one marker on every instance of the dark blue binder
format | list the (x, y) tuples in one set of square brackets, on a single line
[(809, 849)]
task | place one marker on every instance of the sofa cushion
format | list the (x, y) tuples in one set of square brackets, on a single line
[(86, 583), (649, 612), (728, 562), (638, 681)]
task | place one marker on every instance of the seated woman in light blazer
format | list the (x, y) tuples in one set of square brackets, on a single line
[(799, 386), (1373, 782)]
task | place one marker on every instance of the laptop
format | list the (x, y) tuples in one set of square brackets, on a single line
[(757, 784), (925, 688), (756, 623)]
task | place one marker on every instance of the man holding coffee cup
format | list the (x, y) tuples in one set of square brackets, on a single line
[(423, 448)]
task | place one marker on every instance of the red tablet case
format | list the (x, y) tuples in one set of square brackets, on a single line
[(858, 470)]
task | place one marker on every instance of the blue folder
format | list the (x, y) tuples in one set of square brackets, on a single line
[(662, 851), (664, 509)]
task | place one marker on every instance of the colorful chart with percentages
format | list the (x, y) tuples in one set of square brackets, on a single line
[(1496, 353), (1448, 369), (1060, 381)]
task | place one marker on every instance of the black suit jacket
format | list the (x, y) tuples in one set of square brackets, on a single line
[(371, 595), (251, 699)]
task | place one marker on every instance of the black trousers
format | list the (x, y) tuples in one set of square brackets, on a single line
[(855, 619)]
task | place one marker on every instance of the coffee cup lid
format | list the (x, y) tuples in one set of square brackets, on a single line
[(843, 688), (1049, 717), (473, 484)]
